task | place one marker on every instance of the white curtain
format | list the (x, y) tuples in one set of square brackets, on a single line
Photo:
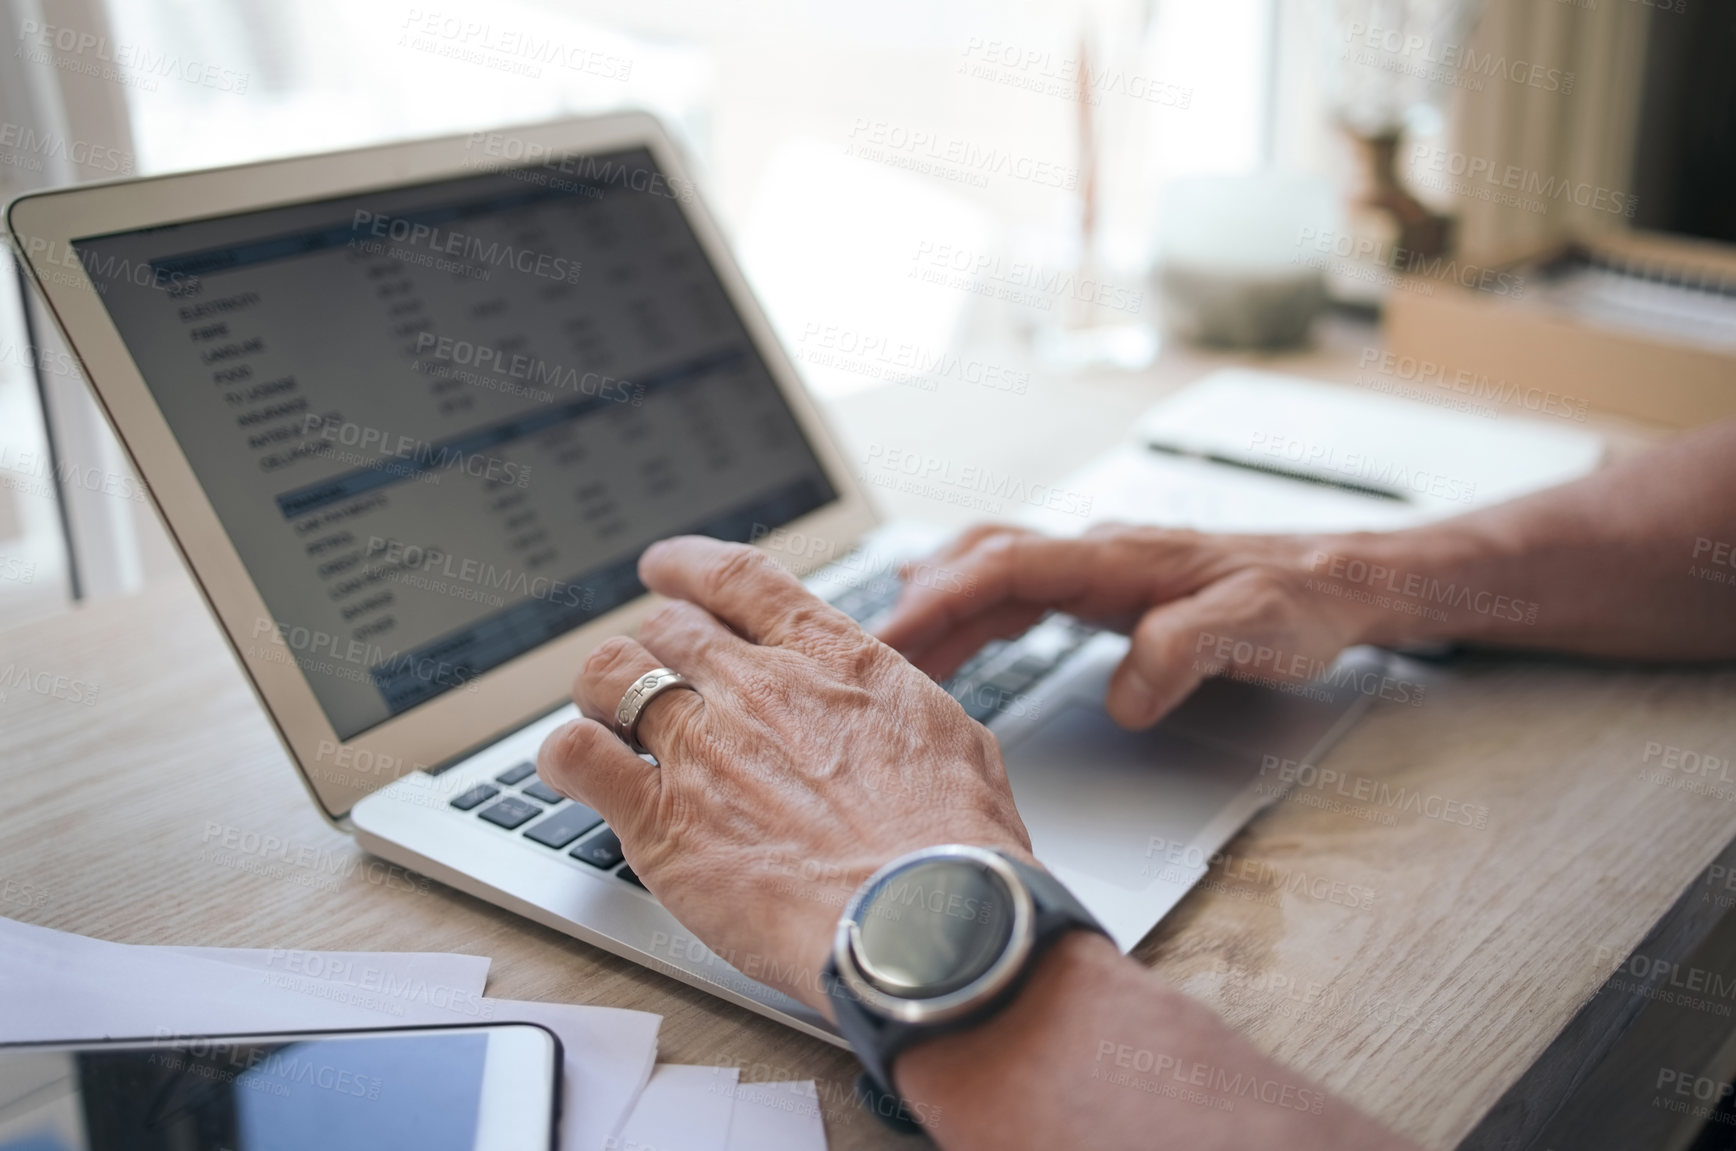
[(1583, 139)]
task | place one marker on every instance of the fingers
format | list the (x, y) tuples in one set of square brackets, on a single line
[(1177, 644), (927, 613), (691, 640), (739, 585), (997, 567), (605, 678), (1111, 573), (584, 761), (1158, 671), (1008, 620)]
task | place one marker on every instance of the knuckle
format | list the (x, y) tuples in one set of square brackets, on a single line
[(1141, 546), (668, 619), (993, 554), (1266, 595), (813, 619), (609, 655), (763, 689), (739, 564), (852, 653), (567, 746)]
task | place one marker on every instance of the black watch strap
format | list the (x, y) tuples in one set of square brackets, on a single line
[(878, 1040)]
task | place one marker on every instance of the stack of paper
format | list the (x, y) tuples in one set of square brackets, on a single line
[(705, 1109), (55, 986)]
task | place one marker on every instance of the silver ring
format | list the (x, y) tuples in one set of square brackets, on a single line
[(644, 689)]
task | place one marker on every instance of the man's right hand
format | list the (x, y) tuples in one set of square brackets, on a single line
[(1194, 605)]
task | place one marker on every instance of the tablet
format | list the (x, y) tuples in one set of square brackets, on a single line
[(477, 1088)]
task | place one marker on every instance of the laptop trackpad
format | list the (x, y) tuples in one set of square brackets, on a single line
[(1094, 796)]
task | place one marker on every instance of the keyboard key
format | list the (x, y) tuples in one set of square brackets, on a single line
[(601, 850), (511, 812), (632, 877), (564, 826), (1008, 684), (868, 599), (1029, 669), (1051, 641), (513, 774), (980, 703), (988, 685), (481, 793), (542, 791), (968, 672)]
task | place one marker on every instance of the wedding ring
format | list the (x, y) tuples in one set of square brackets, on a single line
[(644, 689)]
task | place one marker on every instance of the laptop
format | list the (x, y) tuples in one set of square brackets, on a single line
[(411, 413)]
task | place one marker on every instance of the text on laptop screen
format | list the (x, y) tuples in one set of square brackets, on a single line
[(441, 422)]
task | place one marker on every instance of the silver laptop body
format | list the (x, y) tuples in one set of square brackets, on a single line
[(411, 412)]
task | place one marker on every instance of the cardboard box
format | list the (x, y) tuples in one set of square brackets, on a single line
[(1514, 351)]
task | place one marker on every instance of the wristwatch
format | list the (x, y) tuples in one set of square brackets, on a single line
[(935, 941)]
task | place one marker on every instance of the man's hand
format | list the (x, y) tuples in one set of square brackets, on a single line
[(810, 755), (1194, 605)]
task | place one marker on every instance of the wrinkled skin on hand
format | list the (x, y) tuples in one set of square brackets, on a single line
[(809, 755)]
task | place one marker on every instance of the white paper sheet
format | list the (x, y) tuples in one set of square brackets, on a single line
[(59, 986), (682, 1109), (777, 1117), (609, 1053), (358, 969)]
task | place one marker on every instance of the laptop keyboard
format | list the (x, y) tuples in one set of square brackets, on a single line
[(547, 818), (995, 680)]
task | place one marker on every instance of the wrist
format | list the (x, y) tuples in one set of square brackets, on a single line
[(939, 941), (1420, 586), (812, 935), (948, 1062), (969, 1086)]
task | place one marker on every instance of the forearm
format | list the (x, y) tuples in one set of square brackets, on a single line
[(1634, 561), (1098, 1052)]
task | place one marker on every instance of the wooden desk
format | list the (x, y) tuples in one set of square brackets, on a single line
[(1475, 947)]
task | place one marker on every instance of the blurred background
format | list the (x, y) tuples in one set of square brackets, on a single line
[(1084, 194)]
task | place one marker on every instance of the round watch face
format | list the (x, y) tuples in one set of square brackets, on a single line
[(933, 928)]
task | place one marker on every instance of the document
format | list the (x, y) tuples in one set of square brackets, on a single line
[(707, 1109), (682, 1109), (777, 1117), (57, 986), (357, 970)]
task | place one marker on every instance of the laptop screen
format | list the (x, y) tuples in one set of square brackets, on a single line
[(441, 422)]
